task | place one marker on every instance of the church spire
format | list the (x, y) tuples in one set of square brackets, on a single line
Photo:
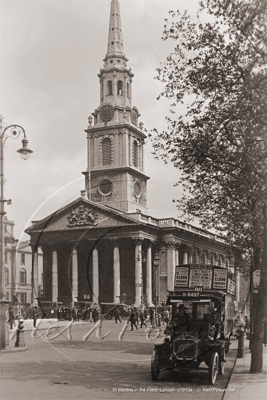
[(115, 40)]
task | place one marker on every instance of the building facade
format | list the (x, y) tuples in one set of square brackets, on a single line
[(106, 246), (18, 268)]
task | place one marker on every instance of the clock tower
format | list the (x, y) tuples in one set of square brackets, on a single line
[(115, 140)]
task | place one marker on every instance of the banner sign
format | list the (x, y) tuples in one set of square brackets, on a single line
[(231, 286), (200, 275), (204, 277), (220, 279), (181, 277)]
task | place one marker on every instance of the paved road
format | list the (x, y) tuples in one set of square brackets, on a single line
[(98, 369)]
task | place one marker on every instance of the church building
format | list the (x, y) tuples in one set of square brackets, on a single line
[(105, 246)]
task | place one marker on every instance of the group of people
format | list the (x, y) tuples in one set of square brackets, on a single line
[(77, 313)]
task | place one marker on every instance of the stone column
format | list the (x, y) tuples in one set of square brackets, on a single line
[(116, 157), (170, 264), (125, 88), (74, 275), (190, 255), (185, 257), (95, 276), (104, 88), (54, 277), (209, 258), (130, 149), (35, 278), (125, 149), (149, 273), (201, 257), (138, 271), (177, 245), (116, 272), (115, 86), (96, 151)]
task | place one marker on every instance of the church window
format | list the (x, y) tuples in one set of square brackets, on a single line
[(111, 61), (113, 29), (22, 276), (135, 154), (112, 43), (106, 151), (119, 91), (109, 87), (128, 90)]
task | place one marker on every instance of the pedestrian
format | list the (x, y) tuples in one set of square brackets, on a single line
[(95, 315), (133, 319), (142, 319), (151, 314), (166, 316), (117, 315), (35, 315)]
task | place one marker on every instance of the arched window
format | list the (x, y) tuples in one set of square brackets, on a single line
[(109, 87), (135, 154), (128, 90), (6, 276), (22, 276), (119, 91), (106, 151)]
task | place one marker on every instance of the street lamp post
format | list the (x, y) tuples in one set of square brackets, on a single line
[(156, 264), (14, 132)]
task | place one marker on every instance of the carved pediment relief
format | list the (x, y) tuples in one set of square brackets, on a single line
[(84, 217)]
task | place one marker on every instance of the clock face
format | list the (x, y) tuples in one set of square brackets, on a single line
[(106, 113), (134, 117), (137, 189)]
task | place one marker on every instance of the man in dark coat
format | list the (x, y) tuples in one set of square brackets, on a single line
[(133, 319), (35, 315), (142, 319), (117, 315), (95, 315)]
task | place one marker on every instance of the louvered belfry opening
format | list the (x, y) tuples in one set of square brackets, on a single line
[(106, 151), (135, 154)]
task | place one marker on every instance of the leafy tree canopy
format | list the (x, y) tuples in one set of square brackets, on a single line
[(218, 69)]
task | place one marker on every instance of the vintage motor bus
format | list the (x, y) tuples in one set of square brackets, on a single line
[(201, 321)]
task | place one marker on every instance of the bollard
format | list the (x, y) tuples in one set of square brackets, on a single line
[(20, 342), (241, 348)]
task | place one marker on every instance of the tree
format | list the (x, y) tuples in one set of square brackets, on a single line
[(218, 68)]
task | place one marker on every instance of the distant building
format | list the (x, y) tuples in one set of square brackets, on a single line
[(18, 268)]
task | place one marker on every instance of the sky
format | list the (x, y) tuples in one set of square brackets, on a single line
[(51, 53)]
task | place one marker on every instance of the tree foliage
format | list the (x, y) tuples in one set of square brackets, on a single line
[(218, 68)]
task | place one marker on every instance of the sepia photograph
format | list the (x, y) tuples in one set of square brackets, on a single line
[(133, 242)]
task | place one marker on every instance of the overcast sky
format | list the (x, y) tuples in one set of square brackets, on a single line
[(51, 53)]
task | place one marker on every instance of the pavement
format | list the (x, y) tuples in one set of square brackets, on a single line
[(241, 384), (244, 385)]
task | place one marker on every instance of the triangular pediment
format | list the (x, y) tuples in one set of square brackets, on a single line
[(81, 214)]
